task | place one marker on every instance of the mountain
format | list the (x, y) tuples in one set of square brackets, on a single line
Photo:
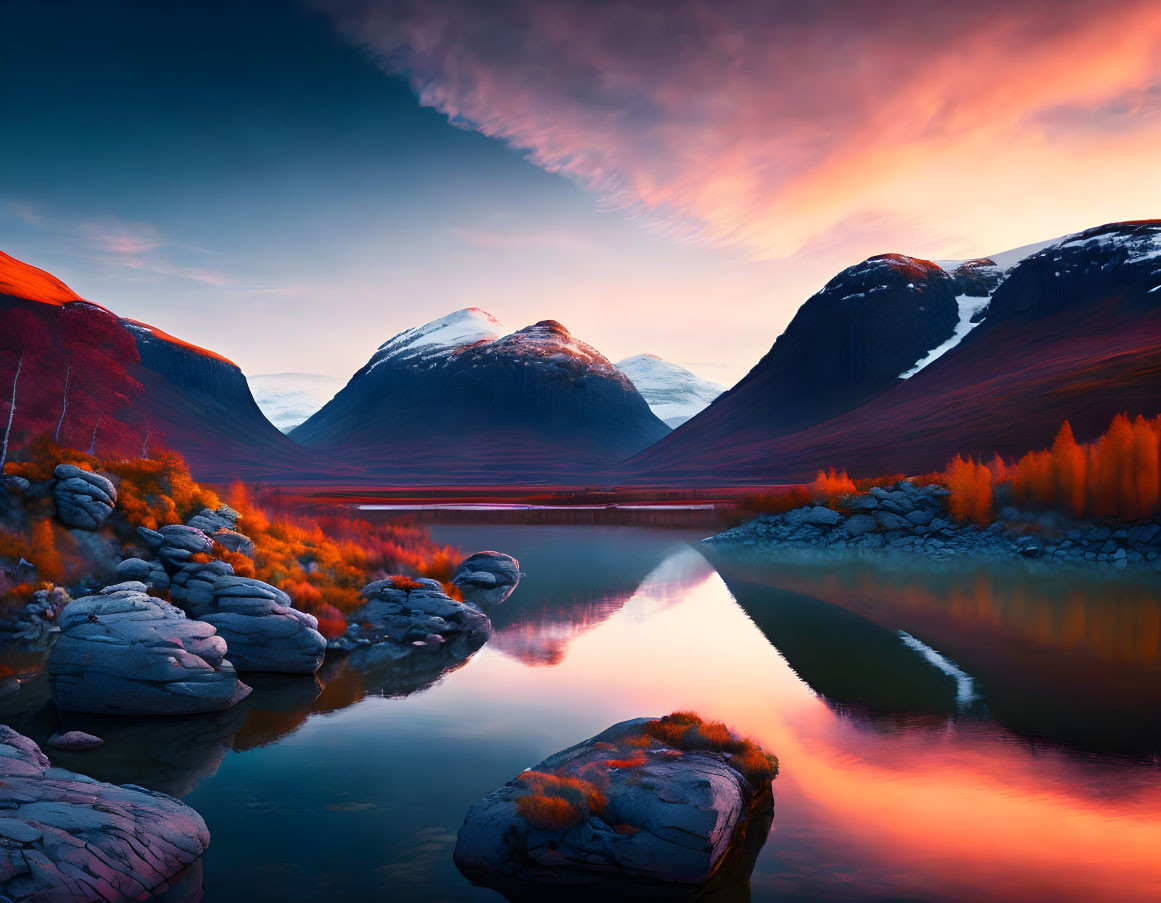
[(1072, 333), (458, 399), (288, 399), (196, 401), (848, 343), (673, 393)]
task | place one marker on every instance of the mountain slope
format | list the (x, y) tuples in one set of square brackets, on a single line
[(194, 400), (673, 393), (457, 400), (1073, 332), (848, 343)]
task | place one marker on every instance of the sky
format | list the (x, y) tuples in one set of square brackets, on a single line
[(291, 183)]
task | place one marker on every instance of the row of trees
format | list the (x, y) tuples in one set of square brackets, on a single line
[(1117, 475), (65, 372)]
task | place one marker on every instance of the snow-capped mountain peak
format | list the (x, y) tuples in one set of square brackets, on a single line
[(460, 329), (673, 393)]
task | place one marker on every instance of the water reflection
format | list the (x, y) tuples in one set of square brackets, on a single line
[(1048, 789)]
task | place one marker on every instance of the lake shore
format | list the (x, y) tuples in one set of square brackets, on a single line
[(914, 522)]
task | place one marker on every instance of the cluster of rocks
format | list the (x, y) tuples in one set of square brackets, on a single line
[(65, 836), (35, 623), (402, 615), (670, 823), (916, 520), (123, 651)]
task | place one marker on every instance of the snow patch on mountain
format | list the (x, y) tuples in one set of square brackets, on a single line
[(969, 307), (440, 337), (288, 399), (1005, 260), (673, 393)]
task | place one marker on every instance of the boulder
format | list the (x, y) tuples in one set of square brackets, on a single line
[(83, 499), (67, 837), (210, 522), (262, 629), (920, 517), (193, 585), (487, 578), (152, 538), (74, 740), (626, 813), (124, 652), (819, 516), (180, 543), (151, 573), (410, 632), (234, 542), (858, 524), (889, 521)]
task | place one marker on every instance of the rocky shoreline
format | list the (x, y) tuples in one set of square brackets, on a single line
[(915, 521)]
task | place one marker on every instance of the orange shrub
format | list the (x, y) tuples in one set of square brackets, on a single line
[(971, 490), (831, 486), (331, 622), (777, 502)]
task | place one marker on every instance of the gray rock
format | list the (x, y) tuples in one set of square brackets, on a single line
[(74, 740), (919, 517), (66, 837), (858, 524), (819, 515), (179, 544), (83, 499), (124, 652), (151, 573), (669, 819), (210, 522), (487, 578), (890, 521), (235, 542), (262, 629), (151, 538), (193, 585)]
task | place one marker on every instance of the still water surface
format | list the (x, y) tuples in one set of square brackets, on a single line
[(943, 736)]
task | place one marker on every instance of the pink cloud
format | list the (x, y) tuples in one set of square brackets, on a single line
[(765, 125)]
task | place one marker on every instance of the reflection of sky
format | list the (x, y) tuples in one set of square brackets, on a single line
[(936, 813)]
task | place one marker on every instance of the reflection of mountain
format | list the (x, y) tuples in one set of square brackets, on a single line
[(845, 658), (576, 578), (1059, 657)]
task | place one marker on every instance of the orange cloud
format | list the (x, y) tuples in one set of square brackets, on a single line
[(768, 126)]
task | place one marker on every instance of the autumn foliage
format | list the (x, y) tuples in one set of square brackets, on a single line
[(1118, 475), (558, 801)]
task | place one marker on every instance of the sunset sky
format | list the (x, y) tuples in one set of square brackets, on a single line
[(292, 183)]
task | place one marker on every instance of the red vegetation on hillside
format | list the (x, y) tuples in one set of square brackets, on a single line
[(65, 372)]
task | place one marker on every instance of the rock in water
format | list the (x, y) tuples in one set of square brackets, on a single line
[(122, 652), (650, 807), (67, 837), (487, 578), (409, 633), (83, 499), (262, 629), (74, 740)]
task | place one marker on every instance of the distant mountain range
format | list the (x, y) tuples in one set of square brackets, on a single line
[(460, 400), (895, 365)]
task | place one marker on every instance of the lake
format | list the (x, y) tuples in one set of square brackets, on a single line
[(945, 734)]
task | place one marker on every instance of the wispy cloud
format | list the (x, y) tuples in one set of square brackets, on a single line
[(491, 238), (23, 211), (764, 125)]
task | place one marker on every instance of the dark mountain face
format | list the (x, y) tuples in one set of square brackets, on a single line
[(453, 401), (1072, 333), (846, 344), (201, 404), (189, 399)]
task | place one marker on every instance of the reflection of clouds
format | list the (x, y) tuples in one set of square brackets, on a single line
[(430, 848)]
